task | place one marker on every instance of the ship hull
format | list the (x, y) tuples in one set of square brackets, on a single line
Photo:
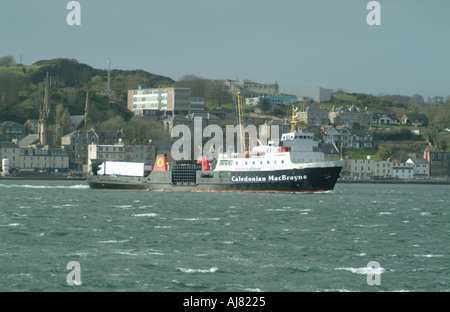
[(308, 180)]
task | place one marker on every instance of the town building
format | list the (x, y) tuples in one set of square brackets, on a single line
[(252, 89), (439, 164), (34, 158), (159, 101), (421, 168), (313, 116), (415, 120), (274, 100), (10, 130), (413, 168), (176, 120), (312, 94), (204, 119), (358, 169), (402, 171), (197, 103), (361, 139), (76, 143), (143, 153), (331, 152), (384, 119), (382, 169), (345, 137), (349, 115), (11, 151), (31, 126)]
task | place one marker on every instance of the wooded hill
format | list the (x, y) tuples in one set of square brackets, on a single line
[(22, 92)]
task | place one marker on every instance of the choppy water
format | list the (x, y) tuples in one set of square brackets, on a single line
[(166, 241)]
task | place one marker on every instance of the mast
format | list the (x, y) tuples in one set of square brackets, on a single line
[(241, 123), (294, 121), (44, 115)]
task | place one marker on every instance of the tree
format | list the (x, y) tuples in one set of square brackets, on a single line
[(10, 85), (356, 126), (197, 84), (442, 145), (7, 61), (384, 153), (217, 92), (62, 116), (264, 105)]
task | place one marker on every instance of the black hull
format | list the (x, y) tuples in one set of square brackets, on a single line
[(308, 180)]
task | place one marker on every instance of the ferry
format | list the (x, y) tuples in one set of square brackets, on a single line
[(294, 165)]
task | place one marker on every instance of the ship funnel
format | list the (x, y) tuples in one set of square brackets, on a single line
[(160, 163)]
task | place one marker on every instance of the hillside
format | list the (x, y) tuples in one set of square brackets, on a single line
[(21, 88)]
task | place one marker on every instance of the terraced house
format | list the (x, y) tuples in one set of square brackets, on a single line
[(348, 115), (10, 130), (346, 137)]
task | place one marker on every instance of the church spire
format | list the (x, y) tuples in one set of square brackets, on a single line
[(86, 109)]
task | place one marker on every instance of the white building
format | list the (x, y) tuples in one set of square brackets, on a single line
[(367, 169), (157, 101), (316, 94), (12, 152), (382, 169), (421, 168), (35, 159), (358, 168), (413, 168), (402, 171)]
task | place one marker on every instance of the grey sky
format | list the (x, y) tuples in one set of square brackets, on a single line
[(292, 42)]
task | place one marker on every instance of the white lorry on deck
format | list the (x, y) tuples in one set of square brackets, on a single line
[(131, 169)]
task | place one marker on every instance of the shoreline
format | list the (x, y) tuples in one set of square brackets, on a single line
[(42, 178), (37, 177), (432, 182)]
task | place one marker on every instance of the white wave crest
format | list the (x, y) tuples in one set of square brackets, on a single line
[(364, 271), (188, 270), (151, 214)]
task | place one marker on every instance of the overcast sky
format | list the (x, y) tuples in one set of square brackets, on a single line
[(325, 43)]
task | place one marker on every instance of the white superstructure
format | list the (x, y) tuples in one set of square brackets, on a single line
[(297, 150)]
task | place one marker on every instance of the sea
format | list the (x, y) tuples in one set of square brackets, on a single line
[(62, 236)]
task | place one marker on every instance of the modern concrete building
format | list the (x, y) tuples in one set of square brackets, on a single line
[(275, 100), (314, 94), (251, 89), (159, 101), (197, 103)]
